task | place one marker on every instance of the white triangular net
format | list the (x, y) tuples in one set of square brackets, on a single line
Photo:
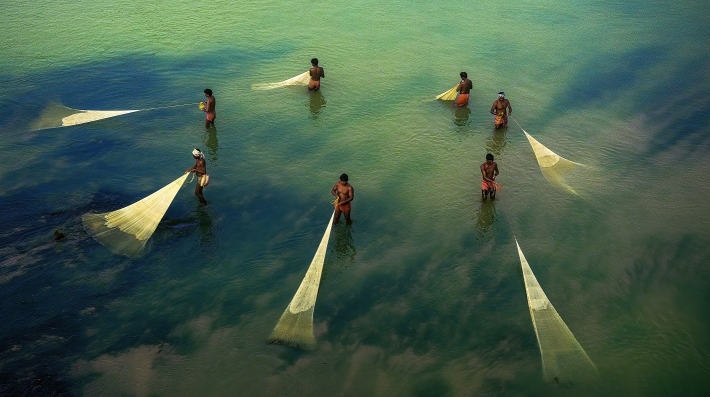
[(563, 358), (301, 79), (126, 231), (295, 327), (87, 116), (449, 95)]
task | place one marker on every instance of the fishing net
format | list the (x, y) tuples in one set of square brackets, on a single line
[(57, 115), (301, 79), (449, 95), (553, 166), (295, 327), (126, 231), (563, 359)]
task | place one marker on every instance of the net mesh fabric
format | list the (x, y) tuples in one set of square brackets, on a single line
[(301, 79), (295, 327), (553, 166), (126, 231), (87, 116), (449, 95), (563, 358)]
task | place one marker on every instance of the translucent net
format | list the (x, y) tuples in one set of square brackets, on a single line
[(126, 231), (449, 95), (563, 359), (301, 79), (87, 116), (553, 166), (295, 327)]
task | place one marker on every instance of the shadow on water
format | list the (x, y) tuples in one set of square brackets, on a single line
[(343, 252), (316, 103), (496, 143), (485, 221), (212, 143), (461, 115)]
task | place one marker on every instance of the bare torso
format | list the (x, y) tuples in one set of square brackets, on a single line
[(501, 106), (489, 170), (465, 86), (344, 192), (316, 73)]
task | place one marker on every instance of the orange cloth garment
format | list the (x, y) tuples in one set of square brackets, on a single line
[(485, 185), (462, 100)]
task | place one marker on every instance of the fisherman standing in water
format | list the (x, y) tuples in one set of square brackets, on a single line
[(344, 195), (200, 169), (464, 90), (316, 73), (489, 171), (209, 108), (499, 110)]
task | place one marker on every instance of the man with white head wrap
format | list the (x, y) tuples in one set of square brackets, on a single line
[(499, 110), (200, 169)]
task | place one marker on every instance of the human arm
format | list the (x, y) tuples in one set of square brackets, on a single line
[(322, 73), (510, 108), (483, 174), (351, 196), (495, 171), (334, 190), (493, 108)]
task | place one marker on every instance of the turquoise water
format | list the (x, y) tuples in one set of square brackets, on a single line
[(423, 295)]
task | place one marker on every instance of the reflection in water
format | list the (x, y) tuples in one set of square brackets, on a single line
[(207, 235), (485, 220), (343, 247), (496, 143), (212, 144), (461, 116), (316, 103)]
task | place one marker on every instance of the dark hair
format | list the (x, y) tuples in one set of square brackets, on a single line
[(489, 156), (464, 75), (501, 93), (208, 91), (344, 177), (314, 61)]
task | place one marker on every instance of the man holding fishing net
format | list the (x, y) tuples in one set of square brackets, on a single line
[(316, 73), (209, 108), (501, 109), (200, 169), (464, 90), (344, 195), (489, 171)]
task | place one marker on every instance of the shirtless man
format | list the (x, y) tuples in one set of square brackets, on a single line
[(499, 110), (344, 195), (200, 169), (209, 109), (489, 171), (316, 73), (464, 90)]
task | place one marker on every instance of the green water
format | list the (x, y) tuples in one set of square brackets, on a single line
[(423, 295)]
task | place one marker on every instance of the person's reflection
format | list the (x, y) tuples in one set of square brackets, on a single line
[(205, 229), (316, 103), (461, 116), (344, 248), (497, 141), (212, 144), (485, 220)]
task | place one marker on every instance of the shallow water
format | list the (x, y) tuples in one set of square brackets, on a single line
[(423, 295)]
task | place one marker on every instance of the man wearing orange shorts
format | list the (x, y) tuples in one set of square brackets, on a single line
[(501, 109), (489, 171), (209, 109), (344, 195), (316, 73), (464, 90)]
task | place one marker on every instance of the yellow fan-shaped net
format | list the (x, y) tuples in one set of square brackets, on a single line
[(563, 358), (301, 79), (553, 166), (295, 327), (449, 95), (126, 231)]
